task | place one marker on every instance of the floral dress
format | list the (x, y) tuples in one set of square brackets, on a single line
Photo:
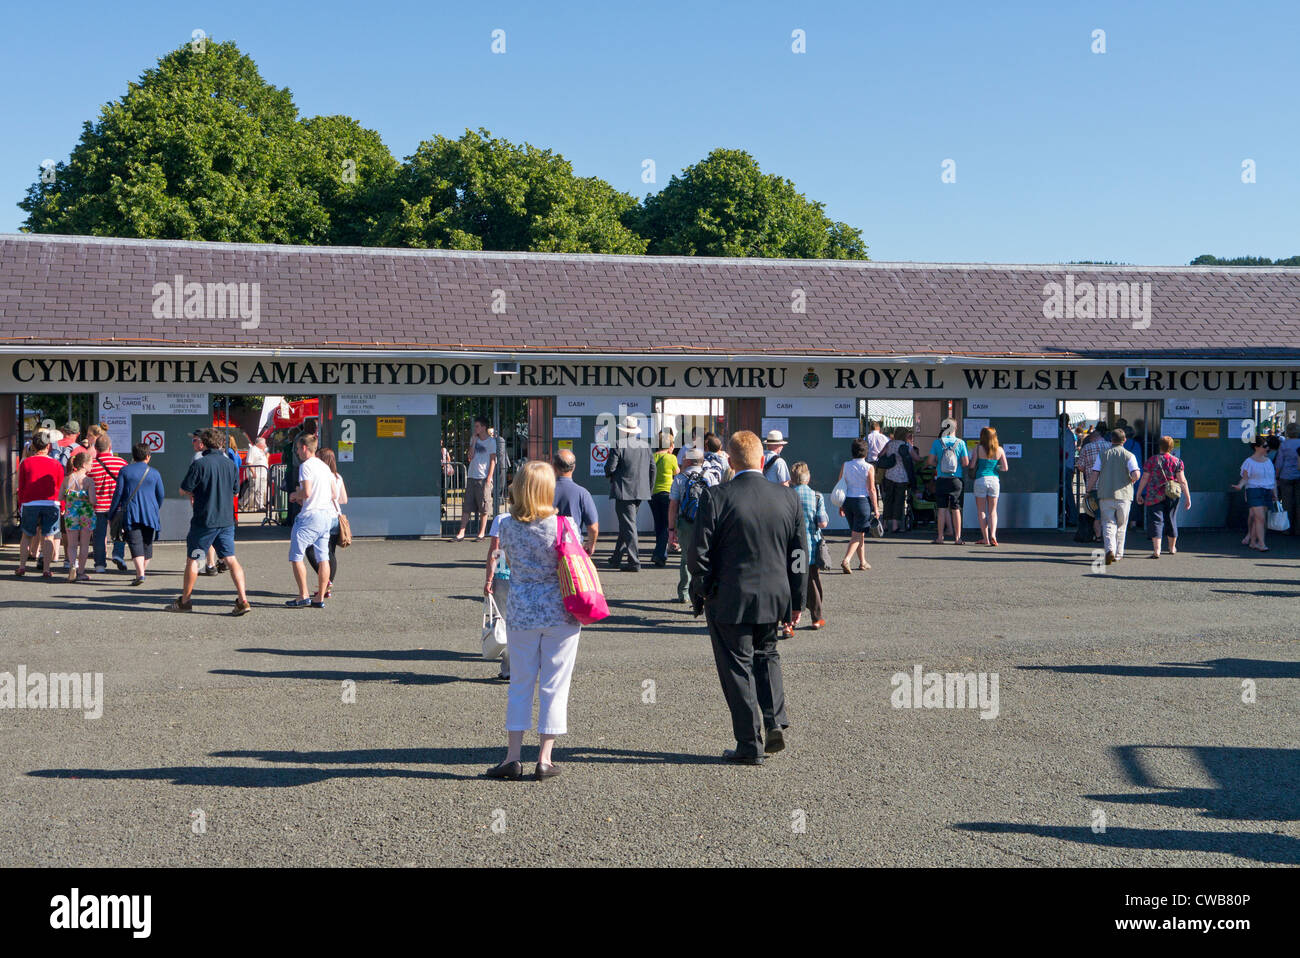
[(535, 601), (79, 510)]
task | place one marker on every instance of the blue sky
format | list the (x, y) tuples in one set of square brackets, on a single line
[(1134, 155)]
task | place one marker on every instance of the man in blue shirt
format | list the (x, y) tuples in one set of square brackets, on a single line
[(574, 501)]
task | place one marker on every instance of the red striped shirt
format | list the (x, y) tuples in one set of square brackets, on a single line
[(104, 471)]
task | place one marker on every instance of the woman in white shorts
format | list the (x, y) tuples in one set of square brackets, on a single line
[(990, 459)]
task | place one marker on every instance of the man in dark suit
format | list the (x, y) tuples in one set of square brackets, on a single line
[(630, 469), (750, 562)]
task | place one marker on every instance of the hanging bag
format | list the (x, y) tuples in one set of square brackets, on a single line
[(839, 494), (1278, 520), (494, 629), (117, 524), (579, 582)]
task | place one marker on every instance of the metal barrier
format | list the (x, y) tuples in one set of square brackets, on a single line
[(253, 498), (277, 497), (455, 478)]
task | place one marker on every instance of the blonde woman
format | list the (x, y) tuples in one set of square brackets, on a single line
[(990, 459), (541, 636)]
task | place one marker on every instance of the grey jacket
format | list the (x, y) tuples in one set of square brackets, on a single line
[(631, 471)]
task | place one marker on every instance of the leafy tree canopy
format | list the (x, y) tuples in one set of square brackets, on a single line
[(480, 192), (726, 206), (203, 148), (1205, 259)]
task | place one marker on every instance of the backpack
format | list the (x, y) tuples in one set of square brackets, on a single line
[(770, 463), (693, 489), (886, 461), (713, 466), (949, 463)]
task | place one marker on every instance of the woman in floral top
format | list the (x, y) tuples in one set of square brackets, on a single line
[(1163, 472), (541, 635)]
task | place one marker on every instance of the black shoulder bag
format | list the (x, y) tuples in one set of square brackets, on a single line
[(117, 524)]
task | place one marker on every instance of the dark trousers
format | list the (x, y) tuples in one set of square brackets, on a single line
[(625, 512), (814, 590), (749, 668), (685, 536), (659, 509), (99, 542)]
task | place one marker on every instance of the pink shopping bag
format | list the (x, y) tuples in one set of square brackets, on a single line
[(579, 581)]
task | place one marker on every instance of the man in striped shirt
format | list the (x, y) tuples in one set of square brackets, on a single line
[(104, 471)]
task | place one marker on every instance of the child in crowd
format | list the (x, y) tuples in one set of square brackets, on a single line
[(78, 495)]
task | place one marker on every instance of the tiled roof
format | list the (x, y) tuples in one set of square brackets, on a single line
[(92, 292)]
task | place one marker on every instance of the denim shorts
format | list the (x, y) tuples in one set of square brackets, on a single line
[(40, 520), (1259, 498), (199, 538), (311, 529)]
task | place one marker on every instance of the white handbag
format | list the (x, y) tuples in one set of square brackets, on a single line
[(494, 629), (839, 494), (1278, 520)]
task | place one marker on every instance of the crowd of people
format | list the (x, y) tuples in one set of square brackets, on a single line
[(749, 528)]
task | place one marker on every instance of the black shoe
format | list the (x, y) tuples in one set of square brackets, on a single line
[(543, 772), (120, 563), (660, 563), (612, 562), (681, 601), (731, 756), (507, 770), (775, 741), (632, 568), (210, 570)]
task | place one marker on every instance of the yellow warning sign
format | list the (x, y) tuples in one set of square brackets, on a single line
[(1206, 429), (392, 427)]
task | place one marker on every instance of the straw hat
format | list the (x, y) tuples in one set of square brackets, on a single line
[(774, 438), (630, 426)]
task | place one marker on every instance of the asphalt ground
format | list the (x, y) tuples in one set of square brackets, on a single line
[(1121, 739)]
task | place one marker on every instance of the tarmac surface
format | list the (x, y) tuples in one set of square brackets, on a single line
[(1121, 738)]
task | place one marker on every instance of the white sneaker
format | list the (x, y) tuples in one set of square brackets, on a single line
[(101, 569)]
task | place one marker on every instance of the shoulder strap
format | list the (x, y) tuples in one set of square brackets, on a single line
[(131, 498)]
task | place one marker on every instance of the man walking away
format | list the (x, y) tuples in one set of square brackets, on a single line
[(104, 471), (573, 500), (211, 483), (750, 561), (775, 469), (1117, 470), (1069, 503), (631, 471), (715, 460), (684, 499), (478, 483), (311, 529)]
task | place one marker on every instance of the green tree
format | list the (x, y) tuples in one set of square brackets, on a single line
[(203, 148), (726, 206), (1205, 259), (480, 192), (352, 172)]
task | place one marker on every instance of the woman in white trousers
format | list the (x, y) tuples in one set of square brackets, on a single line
[(541, 635)]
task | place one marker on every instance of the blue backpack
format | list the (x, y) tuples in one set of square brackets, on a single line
[(693, 488)]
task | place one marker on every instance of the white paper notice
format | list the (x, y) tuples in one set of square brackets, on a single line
[(1045, 429), (1174, 428), (770, 423), (970, 428), (566, 427), (599, 455), (845, 428), (1012, 449), (174, 404)]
